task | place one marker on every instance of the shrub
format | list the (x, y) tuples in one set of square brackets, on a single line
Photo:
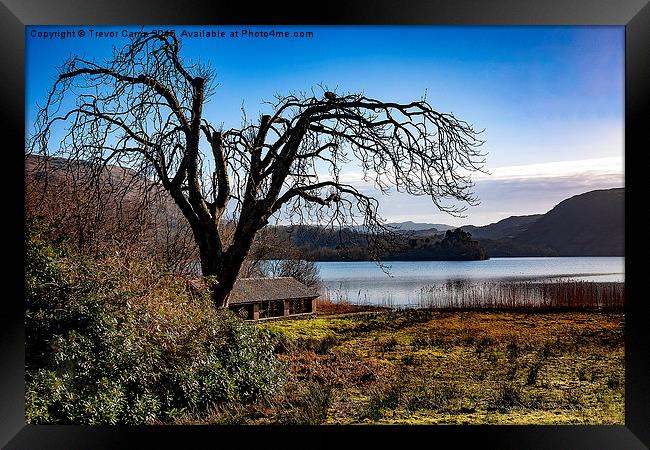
[(482, 344), (512, 372), (408, 360), (419, 343), (532, 374), (431, 397), (582, 374), (387, 345), (304, 403), (118, 340), (613, 382), (319, 345), (381, 399), (512, 350), (324, 345), (573, 399), (509, 396)]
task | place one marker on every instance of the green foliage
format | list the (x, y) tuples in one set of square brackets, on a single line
[(120, 341)]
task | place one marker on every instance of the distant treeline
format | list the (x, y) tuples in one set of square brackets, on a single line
[(326, 244)]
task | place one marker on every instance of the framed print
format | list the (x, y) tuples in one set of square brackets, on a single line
[(381, 222)]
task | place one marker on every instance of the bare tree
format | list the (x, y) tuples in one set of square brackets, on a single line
[(143, 109)]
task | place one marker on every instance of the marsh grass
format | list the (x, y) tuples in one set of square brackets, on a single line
[(501, 295), (410, 393), (323, 306), (381, 399), (507, 397), (428, 366), (430, 397), (534, 295), (303, 403), (533, 372)]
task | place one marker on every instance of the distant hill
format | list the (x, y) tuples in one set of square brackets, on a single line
[(508, 247), (418, 226), (506, 228), (590, 224)]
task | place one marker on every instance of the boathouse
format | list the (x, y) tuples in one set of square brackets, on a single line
[(267, 298)]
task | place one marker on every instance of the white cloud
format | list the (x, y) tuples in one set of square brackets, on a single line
[(515, 190), (596, 167)]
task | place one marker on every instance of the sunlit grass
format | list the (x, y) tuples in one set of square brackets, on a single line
[(425, 366)]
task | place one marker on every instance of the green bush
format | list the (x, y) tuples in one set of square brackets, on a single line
[(118, 340)]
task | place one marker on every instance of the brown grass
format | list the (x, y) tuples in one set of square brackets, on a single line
[(568, 295), (326, 307)]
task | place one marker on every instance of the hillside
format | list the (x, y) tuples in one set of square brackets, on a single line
[(590, 224), (325, 244), (506, 228)]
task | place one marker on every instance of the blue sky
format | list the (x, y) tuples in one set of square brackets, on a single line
[(549, 98)]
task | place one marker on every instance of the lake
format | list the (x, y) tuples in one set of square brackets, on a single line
[(406, 282)]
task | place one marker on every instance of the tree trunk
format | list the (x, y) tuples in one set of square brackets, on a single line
[(209, 252), (222, 267), (231, 261), (212, 265), (221, 290)]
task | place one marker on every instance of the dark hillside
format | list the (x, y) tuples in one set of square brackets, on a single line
[(590, 224)]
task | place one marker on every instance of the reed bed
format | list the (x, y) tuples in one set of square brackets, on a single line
[(521, 295), (324, 306), (561, 294)]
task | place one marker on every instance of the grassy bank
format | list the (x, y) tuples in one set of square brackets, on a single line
[(428, 367)]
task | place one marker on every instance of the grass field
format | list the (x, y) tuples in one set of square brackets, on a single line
[(433, 367)]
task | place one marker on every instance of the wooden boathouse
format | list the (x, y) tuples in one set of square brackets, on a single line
[(268, 298)]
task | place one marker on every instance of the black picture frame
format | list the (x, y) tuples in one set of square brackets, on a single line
[(16, 14)]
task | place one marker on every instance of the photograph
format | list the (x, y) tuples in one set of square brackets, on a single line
[(325, 225)]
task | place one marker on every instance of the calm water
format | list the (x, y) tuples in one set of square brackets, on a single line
[(365, 282)]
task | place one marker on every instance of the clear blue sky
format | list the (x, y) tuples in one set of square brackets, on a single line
[(549, 98)]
